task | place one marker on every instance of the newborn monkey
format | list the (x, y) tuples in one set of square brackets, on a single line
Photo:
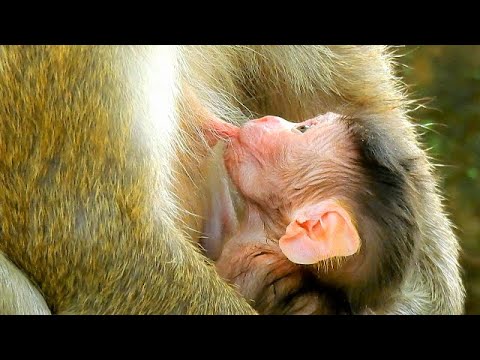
[(314, 237)]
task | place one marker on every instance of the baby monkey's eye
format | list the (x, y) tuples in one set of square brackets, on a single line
[(303, 128)]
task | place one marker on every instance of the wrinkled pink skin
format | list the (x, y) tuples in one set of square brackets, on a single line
[(250, 261), (255, 147)]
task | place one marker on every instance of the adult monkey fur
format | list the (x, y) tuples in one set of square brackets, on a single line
[(102, 159), (18, 296)]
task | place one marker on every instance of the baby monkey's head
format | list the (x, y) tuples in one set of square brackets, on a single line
[(299, 177)]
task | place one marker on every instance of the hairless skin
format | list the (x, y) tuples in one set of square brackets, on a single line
[(298, 211)]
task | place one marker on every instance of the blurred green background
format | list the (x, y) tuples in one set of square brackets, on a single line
[(448, 79)]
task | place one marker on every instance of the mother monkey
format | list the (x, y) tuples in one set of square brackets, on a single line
[(101, 163)]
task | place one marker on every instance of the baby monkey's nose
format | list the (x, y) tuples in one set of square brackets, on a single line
[(272, 122), (268, 119)]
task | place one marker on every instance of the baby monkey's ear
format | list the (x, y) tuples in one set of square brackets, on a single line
[(319, 232)]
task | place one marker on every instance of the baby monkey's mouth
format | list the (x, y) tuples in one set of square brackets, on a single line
[(221, 130)]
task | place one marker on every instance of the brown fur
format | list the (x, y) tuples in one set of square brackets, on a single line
[(79, 182), (98, 198)]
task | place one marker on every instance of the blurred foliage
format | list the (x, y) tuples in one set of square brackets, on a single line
[(449, 76)]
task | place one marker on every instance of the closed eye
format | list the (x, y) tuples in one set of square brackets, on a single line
[(302, 128)]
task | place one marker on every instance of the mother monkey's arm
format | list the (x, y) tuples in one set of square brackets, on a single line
[(88, 139)]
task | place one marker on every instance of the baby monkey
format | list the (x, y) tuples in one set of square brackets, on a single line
[(314, 234)]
